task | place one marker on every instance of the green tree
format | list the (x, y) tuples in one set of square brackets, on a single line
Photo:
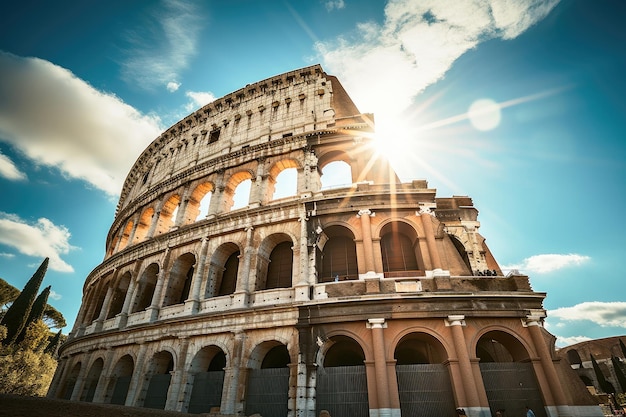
[(36, 312), (51, 316), (16, 316)]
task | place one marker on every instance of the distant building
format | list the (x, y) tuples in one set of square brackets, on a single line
[(376, 298)]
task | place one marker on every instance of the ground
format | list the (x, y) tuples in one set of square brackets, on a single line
[(16, 406)]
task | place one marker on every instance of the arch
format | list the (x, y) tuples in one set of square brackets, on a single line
[(400, 252), (275, 262), (145, 288), (143, 225), (267, 390), (237, 190), (167, 217), (207, 371), (574, 358), (336, 174), (424, 384), (123, 241), (341, 380), (159, 377), (458, 245), (222, 279), (508, 374), (70, 382), (283, 179), (98, 296), (199, 201), (179, 282), (338, 256), (117, 301), (117, 390), (91, 381)]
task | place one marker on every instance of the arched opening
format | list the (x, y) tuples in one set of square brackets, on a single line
[(400, 251), (574, 358), (424, 385), (120, 380), (179, 282), (91, 381), (283, 179), (199, 202), (341, 381), (123, 242), (167, 217), (98, 297), (280, 268), (207, 369), (117, 301), (508, 375), (338, 255), (222, 279), (336, 174), (267, 392), (70, 382), (145, 288), (159, 376), (144, 225), (461, 250)]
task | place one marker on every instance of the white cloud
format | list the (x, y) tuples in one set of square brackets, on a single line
[(198, 99), (548, 263), (42, 239), (417, 44), (58, 120), (163, 45), (335, 4), (604, 314), (173, 86), (54, 295), (568, 341), (8, 169), (7, 255)]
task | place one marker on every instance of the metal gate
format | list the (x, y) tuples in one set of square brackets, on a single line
[(512, 386), (342, 391), (425, 390), (268, 392), (156, 396), (206, 392), (120, 391)]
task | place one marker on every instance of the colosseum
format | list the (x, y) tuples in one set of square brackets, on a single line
[(236, 281)]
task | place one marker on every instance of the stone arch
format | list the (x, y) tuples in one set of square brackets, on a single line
[(145, 288), (168, 213), (400, 250), (143, 224), (223, 271), (199, 200), (277, 177), (233, 188), (573, 357), (267, 391), (119, 380), (341, 379), (179, 282), (275, 262), (98, 296), (507, 372), (70, 382), (91, 380), (125, 235), (158, 377), (337, 260), (206, 372), (423, 377), (119, 295)]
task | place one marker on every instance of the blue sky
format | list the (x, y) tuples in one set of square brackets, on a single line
[(519, 105)]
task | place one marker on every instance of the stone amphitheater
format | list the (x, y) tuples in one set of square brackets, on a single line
[(236, 282)]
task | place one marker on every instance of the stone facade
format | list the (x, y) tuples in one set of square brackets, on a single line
[(376, 298)]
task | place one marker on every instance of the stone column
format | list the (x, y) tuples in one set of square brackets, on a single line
[(533, 322), (105, 377), (243, 276), (426, 215), (230, 398), (136, 381), (368, 247), (131, 237), (105, 304), (302, 283), (456, 323), (130, 294), (80, 379), (176, 392), (155, 219), (380, 366), (157, 301), (192, 304)]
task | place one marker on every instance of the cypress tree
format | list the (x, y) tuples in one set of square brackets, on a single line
[(604, 384), (15, 317), (621, 378), (52, 347), (36, 312), (621, 345)]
